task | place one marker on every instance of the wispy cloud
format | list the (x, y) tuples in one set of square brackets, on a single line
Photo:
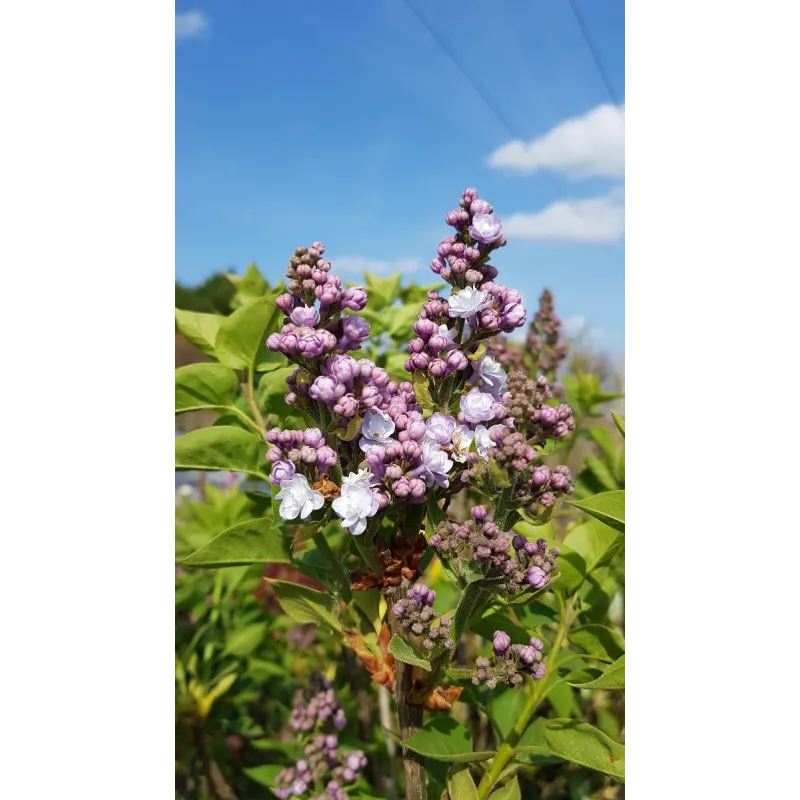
[(190, 24), (375, 266), (592, 145), (596, 220)]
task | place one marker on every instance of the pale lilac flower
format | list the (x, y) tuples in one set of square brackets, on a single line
[(449, 334), (281, 471), (467, 302), (440, 428), (363, 477), (486, 228), (463, 438), (376, 429), (305, 316), (435, 465), (490, 376), (483, 441), (477, 406), (298, 498), (326, 389), (354, 331), (354, 506)]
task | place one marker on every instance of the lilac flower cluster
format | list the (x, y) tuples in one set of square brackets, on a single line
[(542, 341), (310, 332), (509, 662), (298, 451), (323, 764), (434, 349), (478, 539), (322, 708), (463, 259), (528, 406), (416, 615), (533, 564)]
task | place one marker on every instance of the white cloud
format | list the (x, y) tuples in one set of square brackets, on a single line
[(190, 24), (592, 145), (374, 266), (598, 220)]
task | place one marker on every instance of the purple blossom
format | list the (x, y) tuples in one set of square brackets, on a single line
[(326, 390), (439, 428), (355, 298), (486, 228), (501, 642), (281, 470), (304, 315), (354, 331), (477, 406), (537, 577)]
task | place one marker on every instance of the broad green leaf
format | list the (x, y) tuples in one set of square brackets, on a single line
[(619, 422), (505, 708), (471, 598), (562, 698), (204, 386), (608, 507), (264, 774), (596, 543), (200, 329), (607, 443), (249, 287), (612, 678), (444, 739), (509, 791), (416, 295), (370, 602), (222, 687), (222, 447), (243, 641), (577, 742), (599, 641), (404, 652), (382, 291), (400, 321), (498, 475), (604, 476), (271, 390), (307, 605), (461, 786), (534, 532), (486, 626), (253, 542), (243, 333)]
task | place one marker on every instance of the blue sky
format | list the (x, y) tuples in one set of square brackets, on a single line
[(348, 123)]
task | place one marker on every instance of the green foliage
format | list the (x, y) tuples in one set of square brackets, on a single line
[(307, 605), (200, 386), (200, 329), (404, 652), (243, 334), (599, 641), (461, 785), (612, 678), (221, 448), (444, 739), (608, 507), (214, 295)]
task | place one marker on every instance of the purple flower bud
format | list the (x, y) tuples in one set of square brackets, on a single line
[(445, 248), (548, 499), (518, 542), (419, 361), (326, 390), (326, 457), (480, 207), (308, 455), (539, 671), (310, 346), (501, 642), (437, 264), (416, 346), (435, 541), (537, 644), (355, 298), (547, 415), (456, 360), (347, 406), (398, 609), (424, 328), (281, 470), (541, 475), (478, 513), (438, 368), (305, 316), (537, 577), (527, 654), (275, 342), (355, 330), (416, 488), (416, 430), (513, 317), (436, 344), (401, 488), (285, 303), (313, 437)]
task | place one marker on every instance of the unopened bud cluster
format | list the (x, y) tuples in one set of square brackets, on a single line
[(478, 539), (509, 662), (321, 709), (298, 451), (528, 405), (542, 341), (416, 614)]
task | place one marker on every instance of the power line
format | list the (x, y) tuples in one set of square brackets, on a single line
[(576, 12)]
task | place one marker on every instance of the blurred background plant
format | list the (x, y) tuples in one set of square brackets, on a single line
[(240, 662)]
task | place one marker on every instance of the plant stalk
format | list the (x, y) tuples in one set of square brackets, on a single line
[(506, 751)]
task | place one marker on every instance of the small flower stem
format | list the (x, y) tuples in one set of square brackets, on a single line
[(248, 389), (506, 751)]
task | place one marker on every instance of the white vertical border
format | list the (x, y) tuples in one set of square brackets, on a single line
[(87, 241), (711, 305)]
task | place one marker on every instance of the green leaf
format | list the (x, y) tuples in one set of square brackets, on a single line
[(253, 542), (404, 652), (509, 791), (596, 543), (604, 476), (479, 353), (204, 386), (382, 291), (351, 431), (420, 383), (400, 322), (471, 598), (505, 708), (619, 422), (612, 678), (577, 742), (562, 698), (444, 739), (222, 447), (249, 287), (461, 786), (264, 774), (271, 390), (243, 641), (608, 507), (307, 605), (599, 641), (498, 475), (243, 333), (604, 439), (200, 329), (486, 626)]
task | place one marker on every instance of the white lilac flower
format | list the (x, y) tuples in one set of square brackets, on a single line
[(463, 438), (376, 429), (490, 374), (363, 477), (467, 302), (449, 334), (354, 506), (483, 441), (440, 428), (486, 228), (435, 465), (477, 406), (298, 498)]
